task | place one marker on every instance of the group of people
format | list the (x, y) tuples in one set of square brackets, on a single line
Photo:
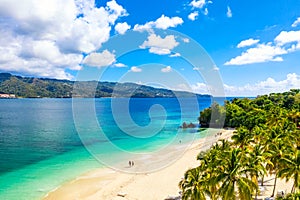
[(131, 163), (218, 134)]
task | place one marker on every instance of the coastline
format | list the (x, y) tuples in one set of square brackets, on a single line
[(106, 183)]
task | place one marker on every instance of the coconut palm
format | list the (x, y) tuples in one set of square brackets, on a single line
[(291, 168), (256, 159), (275, 153), (193, 185), (241, 137), (232, 176)]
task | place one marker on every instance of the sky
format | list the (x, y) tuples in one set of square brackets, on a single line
[(245, 48)]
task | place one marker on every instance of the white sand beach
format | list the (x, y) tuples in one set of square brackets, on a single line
[(107, 184)]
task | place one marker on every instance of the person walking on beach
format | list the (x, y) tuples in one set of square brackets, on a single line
[(130, 163)]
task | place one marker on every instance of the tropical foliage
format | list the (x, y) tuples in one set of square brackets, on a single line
[(266, 141)]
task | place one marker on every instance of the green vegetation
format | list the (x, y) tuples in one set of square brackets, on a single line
[(266, 141), (29, 87)]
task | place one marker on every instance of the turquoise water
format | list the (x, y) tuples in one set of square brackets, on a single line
[(40, 147)]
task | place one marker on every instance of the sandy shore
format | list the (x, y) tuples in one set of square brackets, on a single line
[(109, 184)]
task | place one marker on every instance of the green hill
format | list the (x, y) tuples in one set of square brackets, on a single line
[(30, 87)]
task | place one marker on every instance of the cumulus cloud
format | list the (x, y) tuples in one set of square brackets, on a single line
[(267, 86), (193, 15), (261, 53), (285, 42), (296, 23), (247, 43), (47, 37), (121, 28), (159, 45), (229, 12), (286, 37), (164, 22), (166, 69), (198, 3), (102, 59), (135, 69)]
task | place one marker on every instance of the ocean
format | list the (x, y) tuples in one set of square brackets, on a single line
[(43, 141)]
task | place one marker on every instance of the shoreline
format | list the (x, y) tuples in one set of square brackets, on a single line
[(105, 183)]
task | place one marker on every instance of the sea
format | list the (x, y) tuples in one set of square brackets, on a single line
[(45, 143)]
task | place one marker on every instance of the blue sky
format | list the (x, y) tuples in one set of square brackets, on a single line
[(254, 45)]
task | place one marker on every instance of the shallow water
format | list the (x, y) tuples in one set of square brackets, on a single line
[(40, 147)]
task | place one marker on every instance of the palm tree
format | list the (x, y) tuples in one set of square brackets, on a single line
[(291, 169), (280, 133), (275, 153), (295, 116), (255, 160), (234, 184), (241, 137), (193, 185)]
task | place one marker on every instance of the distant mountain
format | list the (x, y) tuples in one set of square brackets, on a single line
[(30, 87)]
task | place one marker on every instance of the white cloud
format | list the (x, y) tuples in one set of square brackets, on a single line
[(115, 11), (121, 28), (47, 37), (229, 12), (102, 59), (261, 53), (119, 65), (166, 69), (186, 40), (267, 86), (215, 68), (158, 45), (164, 22), (205, 12), (200, 88), (296, 23), (193, 15), (198, 3), (175, 55), (247, 43), (286, 37), (285, 42), (135, 69)]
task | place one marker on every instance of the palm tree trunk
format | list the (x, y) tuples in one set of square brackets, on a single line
[(262, 180), (293, 188), (275, 182), (256, 180)]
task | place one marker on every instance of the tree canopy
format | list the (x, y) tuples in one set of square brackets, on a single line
[(266, 140)]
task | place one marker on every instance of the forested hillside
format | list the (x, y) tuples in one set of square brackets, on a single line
[(30, 87)]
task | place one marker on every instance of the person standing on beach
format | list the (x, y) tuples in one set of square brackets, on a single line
[(130, 163)]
